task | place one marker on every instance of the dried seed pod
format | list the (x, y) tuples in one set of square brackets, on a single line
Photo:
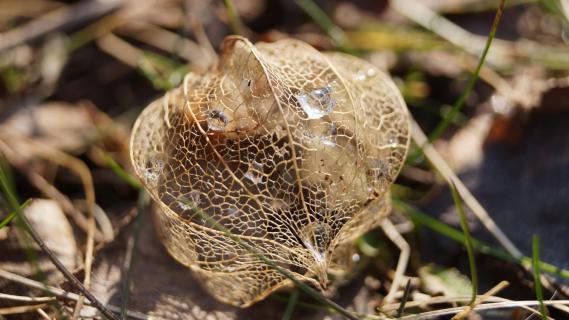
[(291, 149)]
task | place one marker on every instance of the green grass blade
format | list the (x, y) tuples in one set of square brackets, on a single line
[(142, 205), (467, 242), (120, 171), (164, 73), (13, 214), (420, 218), (302, 304), (537, 276), (554, 7), (292, 301), (441, 127), (457, 106), (8, 190), (7, 187), (234, 19), (325, 23), (7, 219)]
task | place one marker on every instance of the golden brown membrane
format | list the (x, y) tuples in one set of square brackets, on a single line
[(291, 149)]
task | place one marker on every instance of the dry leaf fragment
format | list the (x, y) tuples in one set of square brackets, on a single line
[(44, 125), (290, 149), (49, 221)]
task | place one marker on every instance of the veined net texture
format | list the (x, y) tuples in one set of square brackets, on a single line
[(289, 149)]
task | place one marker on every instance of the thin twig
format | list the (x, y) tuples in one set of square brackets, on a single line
[(393, 235), (450, 117), (404, 299), (422, 218), (21, 309), (47, 189), (43, 314), (532, 315), (203, 41), (108, 23), (446, 172), (13, 201), (88, 263), (462, 314), (12, 297), (13, 214), (449, 300), (167, 40), (486, 306), (446, 29), (62, 293), (84, 174), (74, 281), (120, 50)]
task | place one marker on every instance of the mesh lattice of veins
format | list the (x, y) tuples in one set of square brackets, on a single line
[(290, 149)]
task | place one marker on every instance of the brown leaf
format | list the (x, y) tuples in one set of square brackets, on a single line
[(49, 221), (57, 124), (51, 224)]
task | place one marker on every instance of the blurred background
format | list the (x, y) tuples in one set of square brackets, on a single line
[(74, 75)]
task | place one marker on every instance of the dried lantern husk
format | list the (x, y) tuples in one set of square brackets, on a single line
[(290, 149)]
